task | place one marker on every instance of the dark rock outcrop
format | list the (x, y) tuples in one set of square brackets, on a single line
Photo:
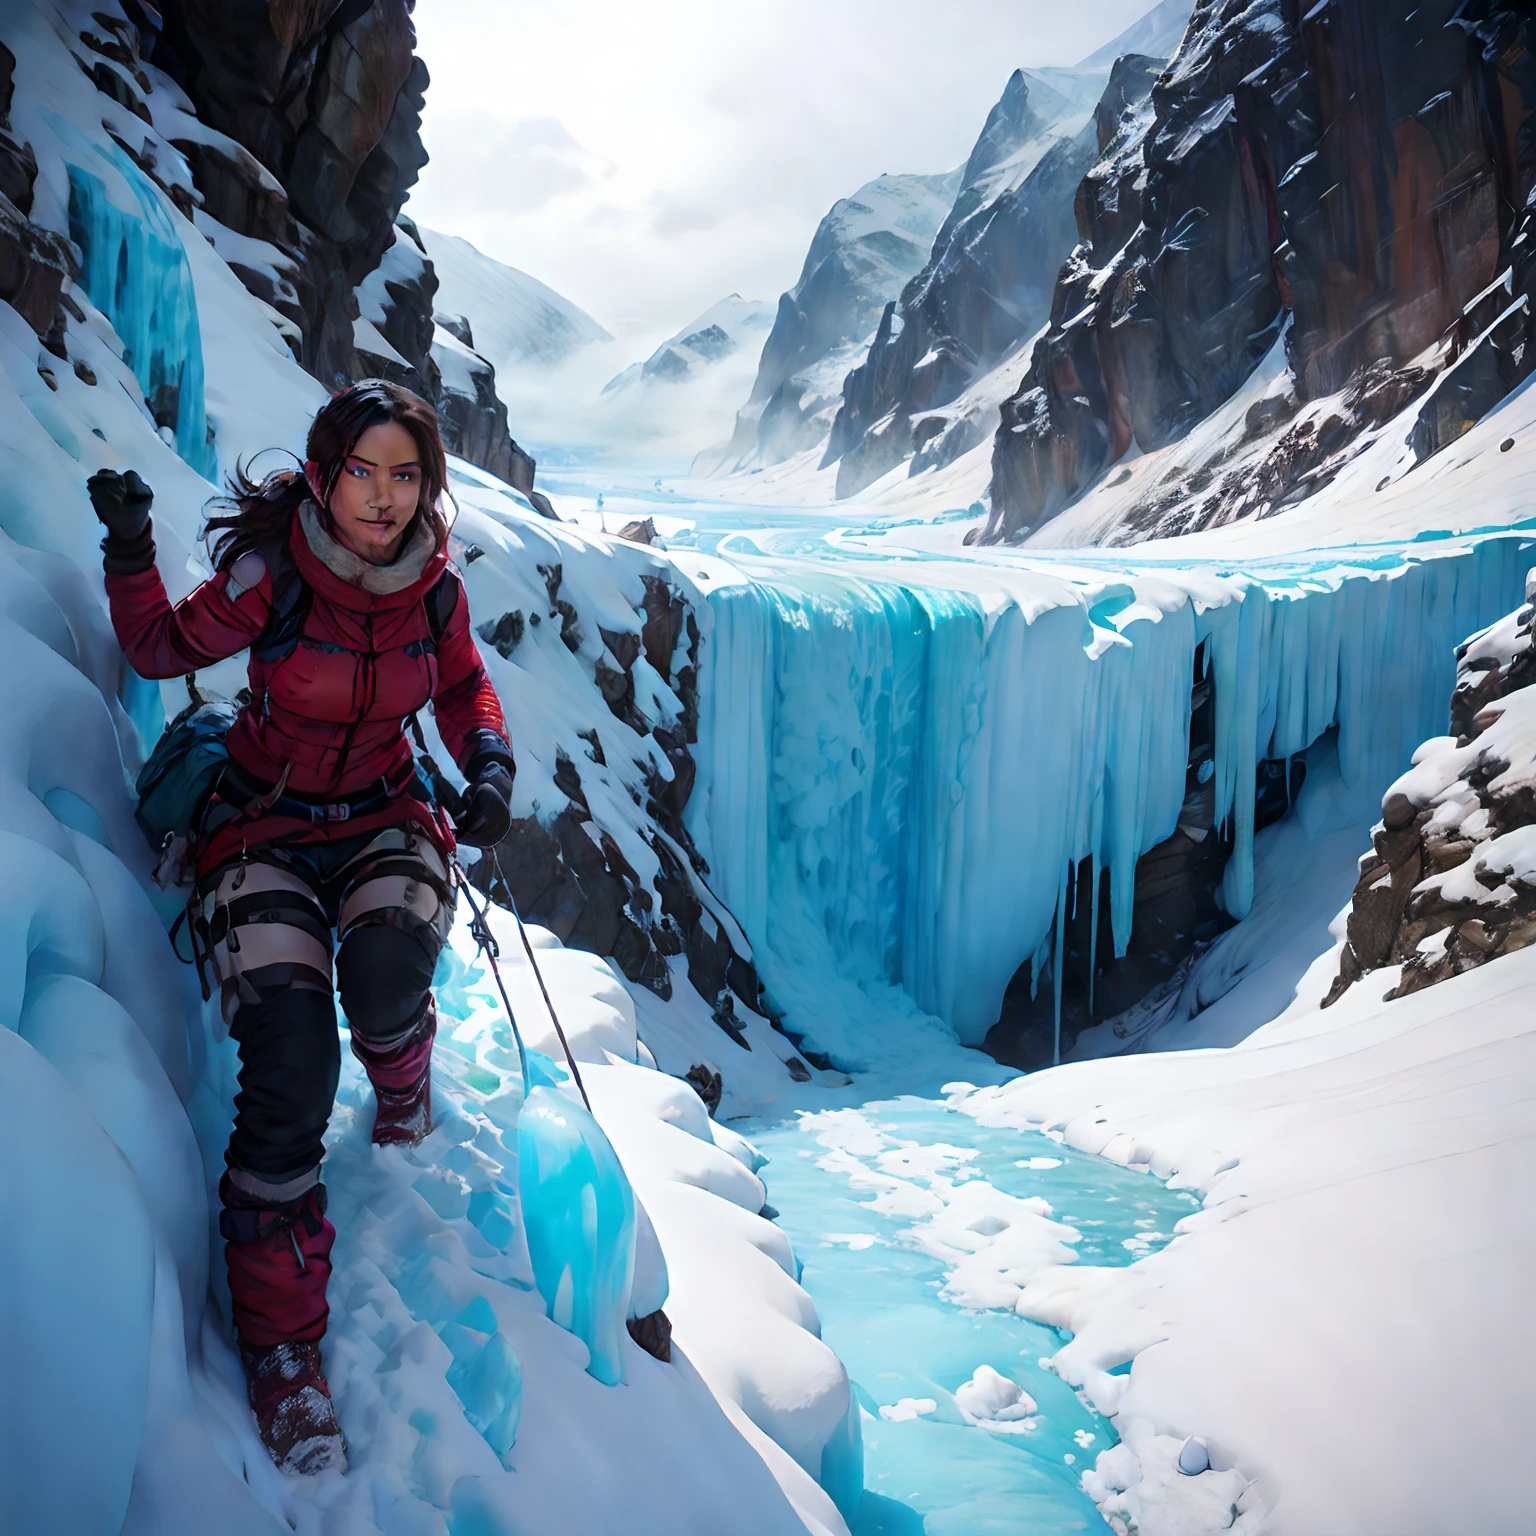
[(1357, 168), (985, 289), (1450, 881), (325, 99), (573, 879), (35, 265), (321, 105)]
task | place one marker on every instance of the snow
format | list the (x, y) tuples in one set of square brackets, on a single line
[(1411, 1111), (905, 741), (516, 319)]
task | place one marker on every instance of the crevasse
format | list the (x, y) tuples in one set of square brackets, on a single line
[(896, 775)]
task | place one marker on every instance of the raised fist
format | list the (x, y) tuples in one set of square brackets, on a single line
[(122, 502)]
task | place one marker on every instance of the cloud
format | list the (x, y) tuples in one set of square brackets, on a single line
[(646, 160), (672, 215), (526, 162)]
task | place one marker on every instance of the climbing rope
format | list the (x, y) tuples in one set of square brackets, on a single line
[(480, 932)]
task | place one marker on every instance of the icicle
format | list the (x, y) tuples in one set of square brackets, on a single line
[(1061, 926), (891, 774), (135, 270), (1093, 934)]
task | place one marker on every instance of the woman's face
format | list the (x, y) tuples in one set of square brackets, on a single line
[(377, 492)]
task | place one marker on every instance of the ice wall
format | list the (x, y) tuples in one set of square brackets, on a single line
[(895, 775), (135, 269)]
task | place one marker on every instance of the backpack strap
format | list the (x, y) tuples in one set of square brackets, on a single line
[(440, 603), (292, 598)]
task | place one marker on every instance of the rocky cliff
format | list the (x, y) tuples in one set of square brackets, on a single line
[(1354, 174), (863, 252), (303, 142), (987, 284)]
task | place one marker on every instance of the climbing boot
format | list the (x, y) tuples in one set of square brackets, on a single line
[(293, 1408), (401, 1074), (279, 1258), (279, 1255)]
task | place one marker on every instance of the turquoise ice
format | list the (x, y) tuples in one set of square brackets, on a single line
[(579, 1215), (136, 273), (907, 1348)]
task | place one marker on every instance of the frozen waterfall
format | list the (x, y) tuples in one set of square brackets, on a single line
[(897, 774), (135, 270)]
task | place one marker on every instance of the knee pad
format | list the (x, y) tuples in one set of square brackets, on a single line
[(290, 1059), (384, 971)]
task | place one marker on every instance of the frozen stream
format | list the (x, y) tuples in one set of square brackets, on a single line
[(869, 1198)]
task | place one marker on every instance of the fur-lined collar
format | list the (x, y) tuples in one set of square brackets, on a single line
[(403, 571)]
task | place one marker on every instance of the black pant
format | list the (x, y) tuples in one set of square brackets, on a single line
[(271, 920)]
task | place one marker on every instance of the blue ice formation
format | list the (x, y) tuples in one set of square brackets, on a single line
[(895, 778), (579, 1217), (486, 1375), (842, 1463), (136, 273)]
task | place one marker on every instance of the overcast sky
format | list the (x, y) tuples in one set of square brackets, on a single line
[(647, 157)]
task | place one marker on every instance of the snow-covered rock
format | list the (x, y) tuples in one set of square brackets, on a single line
[(1362, 1170), (1450, 882), (678, 398), (862, 254)]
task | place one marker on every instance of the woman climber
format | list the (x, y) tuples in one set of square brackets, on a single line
[(320, 837)]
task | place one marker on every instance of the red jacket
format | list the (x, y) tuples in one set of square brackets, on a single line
[(332, 706)]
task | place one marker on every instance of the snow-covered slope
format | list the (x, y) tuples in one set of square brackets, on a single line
[(516, 318), (1363, 1173), (1158, 33), (116, 1086)]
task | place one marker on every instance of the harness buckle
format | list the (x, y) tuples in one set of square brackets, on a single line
[(337, 810)]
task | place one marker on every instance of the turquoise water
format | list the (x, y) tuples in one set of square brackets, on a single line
[(881, 1311)]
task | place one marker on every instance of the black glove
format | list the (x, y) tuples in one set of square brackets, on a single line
[(486, 815), (122, 502)]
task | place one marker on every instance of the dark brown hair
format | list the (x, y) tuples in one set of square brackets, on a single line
[(255, 511)]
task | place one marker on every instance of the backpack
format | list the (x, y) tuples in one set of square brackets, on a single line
[(175, 785), (184, 769)]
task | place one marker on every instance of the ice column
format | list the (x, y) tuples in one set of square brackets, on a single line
[(579, 1215), (136, 273)]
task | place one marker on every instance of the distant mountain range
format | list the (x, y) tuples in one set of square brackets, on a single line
[(919, 293), (516, 318)]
